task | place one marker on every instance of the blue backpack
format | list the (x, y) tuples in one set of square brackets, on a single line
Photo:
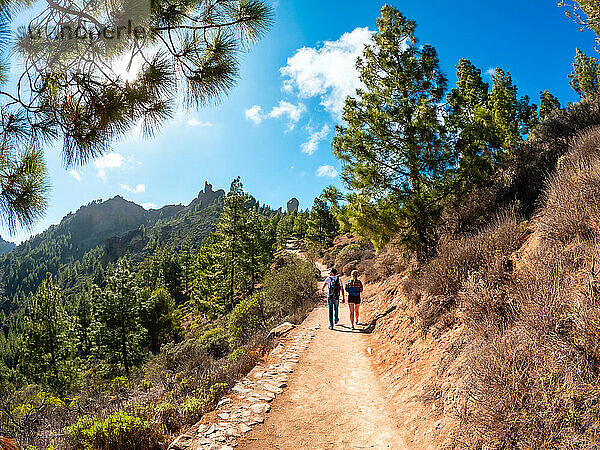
[(354, 291)]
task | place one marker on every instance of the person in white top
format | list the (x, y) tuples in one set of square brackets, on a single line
[(334, 287)]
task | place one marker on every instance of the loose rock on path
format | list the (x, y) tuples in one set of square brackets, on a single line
[(250, 398)]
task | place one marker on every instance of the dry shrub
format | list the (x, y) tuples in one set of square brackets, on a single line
[(572, 209), (348, 268), (486, 305), (535, 385), (533, 375), (387, 264), (329, 256), (485, 255), (367, 271), (391, 260), (353, 254)]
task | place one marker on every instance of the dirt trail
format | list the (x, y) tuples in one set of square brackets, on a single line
[(334, 398)]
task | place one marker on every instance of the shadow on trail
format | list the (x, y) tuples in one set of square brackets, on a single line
[(371, 326), (345, 329)]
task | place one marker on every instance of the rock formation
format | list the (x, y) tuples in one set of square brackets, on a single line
[(292, 205), (207, 196)]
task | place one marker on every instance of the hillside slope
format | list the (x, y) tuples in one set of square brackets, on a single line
[(6, 246), (106, 230), (494, 343)]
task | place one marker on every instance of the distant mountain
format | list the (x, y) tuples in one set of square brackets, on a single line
[(6, 246), (108, 229)]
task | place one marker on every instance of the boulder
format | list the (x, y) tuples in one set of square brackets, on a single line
[(281, 330)]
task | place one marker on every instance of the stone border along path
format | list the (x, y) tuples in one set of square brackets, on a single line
[(248, 403)]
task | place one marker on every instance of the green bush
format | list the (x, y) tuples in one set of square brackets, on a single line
[(176, 356), (168, 414), (117, 431), (214, 342), (193, 408), (237, 354), (215, 392), (291, 287), (245, 319)]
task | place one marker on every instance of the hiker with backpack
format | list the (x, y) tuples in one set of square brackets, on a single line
[(353, 288), (334, 286)]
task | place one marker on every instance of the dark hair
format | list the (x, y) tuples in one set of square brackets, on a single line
[(333, 271)]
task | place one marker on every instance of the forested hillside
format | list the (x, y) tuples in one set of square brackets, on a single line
[(84, 242), (6, 246), (168, 313)]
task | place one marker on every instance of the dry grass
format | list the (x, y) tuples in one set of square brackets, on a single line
[(485, 255), (533, 375)]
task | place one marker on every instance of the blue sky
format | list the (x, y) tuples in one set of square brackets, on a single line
[(276, 126)]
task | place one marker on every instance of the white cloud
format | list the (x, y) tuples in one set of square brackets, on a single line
[(148, 205), (254, 114), (327, 171), (138, 189), (108, 161), (311, 146), (491, 71), (193, 122), (284, 109), (131, 160), (327, 72), (75, 174), (293, 112)]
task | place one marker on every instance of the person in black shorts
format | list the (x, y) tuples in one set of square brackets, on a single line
[(353, 288)]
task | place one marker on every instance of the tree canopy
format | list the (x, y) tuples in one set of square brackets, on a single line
[(393, 141), (92, 71), (407, 153)]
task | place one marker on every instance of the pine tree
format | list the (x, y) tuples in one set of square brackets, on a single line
[(163, 268), (393, 145), (118, 331), (48, 350), (259, 247), (512, 117), (187, 263), (206, 285), (76, 93), (300, 225), (485, 126), (84, 320), (231, 239), (322, 226), (585, 77), (548, 104), (285, 228), (159, 317)]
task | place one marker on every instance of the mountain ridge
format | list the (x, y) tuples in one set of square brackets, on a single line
[(109, 229)]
